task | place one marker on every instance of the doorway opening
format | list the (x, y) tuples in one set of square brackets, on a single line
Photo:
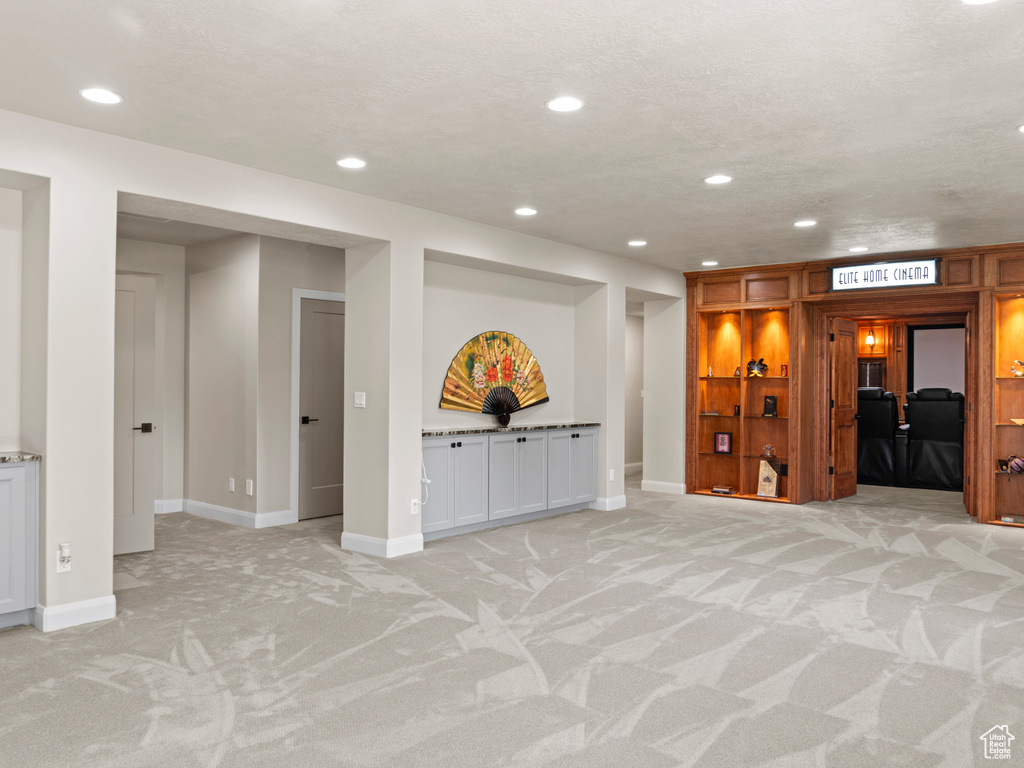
[(897, 383)]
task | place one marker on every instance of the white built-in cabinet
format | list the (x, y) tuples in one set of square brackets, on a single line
[(518, 474), (472, 479), (572, 467), (457, 493), (18, 542)]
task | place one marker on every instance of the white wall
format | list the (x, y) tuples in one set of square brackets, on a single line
[(634, 384), (459, 303), (67, 375), (167, 264), (283, 265), (939, 358), (223, 329), (10, 320), (664, 396)]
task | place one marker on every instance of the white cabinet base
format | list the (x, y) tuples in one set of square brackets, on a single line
[(504, 521)]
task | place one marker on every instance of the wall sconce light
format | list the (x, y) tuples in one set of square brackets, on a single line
[(870, 340)]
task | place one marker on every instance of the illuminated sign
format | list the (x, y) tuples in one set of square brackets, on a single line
[(886, 275)]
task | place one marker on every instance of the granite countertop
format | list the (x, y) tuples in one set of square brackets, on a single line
[(17, 457), (524, 428)]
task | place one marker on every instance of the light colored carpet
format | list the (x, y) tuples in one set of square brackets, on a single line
[(712, 633)]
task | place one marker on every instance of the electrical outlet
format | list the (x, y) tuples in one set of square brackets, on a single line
[(248, 487), (64, 558), (415, 506), (611, 475), (231, 484)]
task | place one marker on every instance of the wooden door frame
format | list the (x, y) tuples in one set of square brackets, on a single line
[(894, 304), (298, 294)]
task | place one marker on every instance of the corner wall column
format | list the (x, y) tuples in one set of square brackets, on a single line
[(383, 358), (69, 253)]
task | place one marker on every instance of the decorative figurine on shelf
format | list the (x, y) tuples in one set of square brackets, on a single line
[(1014, 370), (737, 371), (768, 450), (758, 368), (736, 410), (785, 370), (1016, 465), (710, 372)]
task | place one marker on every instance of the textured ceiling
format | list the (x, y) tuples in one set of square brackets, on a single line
[(891, 122)]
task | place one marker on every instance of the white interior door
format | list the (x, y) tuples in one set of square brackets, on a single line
[(321, 408), (135, 445)]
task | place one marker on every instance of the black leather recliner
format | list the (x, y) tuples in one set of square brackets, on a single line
[(878, 419), (935, 444)]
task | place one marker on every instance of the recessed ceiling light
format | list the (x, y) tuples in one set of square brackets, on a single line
[(565, 104), (977, 2), (858, 249), (718, 178), (637, 243), (526, 212), (805, 223), (352, 162), (1020, 128), (709, 263), (101, 96)]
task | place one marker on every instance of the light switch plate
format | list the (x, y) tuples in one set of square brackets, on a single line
[(360, 399)]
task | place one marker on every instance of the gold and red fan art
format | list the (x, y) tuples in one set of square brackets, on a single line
[(494, 373)]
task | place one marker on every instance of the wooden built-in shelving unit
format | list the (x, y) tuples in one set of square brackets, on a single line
[(727, 341), (1008, 438)]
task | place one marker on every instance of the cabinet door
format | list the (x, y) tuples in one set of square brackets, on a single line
[(560, 443), (436, 512), (501, 479), (584, 465), (470, 484), (13, 540), (533, 473)]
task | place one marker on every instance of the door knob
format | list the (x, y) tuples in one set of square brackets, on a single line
[(307, 420), (146, 427)]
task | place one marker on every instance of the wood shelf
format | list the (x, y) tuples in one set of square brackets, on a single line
[(754, 497)]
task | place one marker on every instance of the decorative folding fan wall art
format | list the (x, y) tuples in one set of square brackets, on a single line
[(494, 373)]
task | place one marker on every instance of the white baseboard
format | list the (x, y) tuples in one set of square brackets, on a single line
[(240, 516), (17, 618), (608, 504), (280, 517), (656, 486), (166, 506), (47, 619), (631, 467), (371, 545)]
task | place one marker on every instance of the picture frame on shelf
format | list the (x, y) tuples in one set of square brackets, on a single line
[(768, 478), (723, 442)]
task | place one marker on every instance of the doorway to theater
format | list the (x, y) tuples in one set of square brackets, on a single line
[(896, 381)]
